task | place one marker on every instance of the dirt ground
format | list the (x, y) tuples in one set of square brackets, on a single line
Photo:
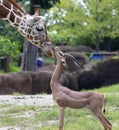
[(40, 100)]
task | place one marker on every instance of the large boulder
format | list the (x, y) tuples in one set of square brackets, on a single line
[(25, 82), (69, 80), (101, 74), (15, 82), (41, 82), (33, 82), (90, 79), (109, 69), (80, 49)]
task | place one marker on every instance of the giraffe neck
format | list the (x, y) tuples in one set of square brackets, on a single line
[(14, 16), (10, 14)]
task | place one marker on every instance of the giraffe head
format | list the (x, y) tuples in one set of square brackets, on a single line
[(37, 34), (32, 27)]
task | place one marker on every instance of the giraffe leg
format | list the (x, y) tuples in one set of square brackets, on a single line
[(61, 120)]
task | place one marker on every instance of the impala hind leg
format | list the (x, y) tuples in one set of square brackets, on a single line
[(106, 124)]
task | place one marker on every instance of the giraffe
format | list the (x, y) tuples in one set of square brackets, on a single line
[(31, 27)]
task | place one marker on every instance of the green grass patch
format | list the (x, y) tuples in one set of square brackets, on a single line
[(108, 89), (47, 118)]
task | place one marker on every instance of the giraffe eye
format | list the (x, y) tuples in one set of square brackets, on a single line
[(39, 28)]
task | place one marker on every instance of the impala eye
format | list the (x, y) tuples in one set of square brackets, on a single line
[(39, 28)]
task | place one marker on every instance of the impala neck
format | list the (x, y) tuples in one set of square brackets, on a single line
[(55, 80)]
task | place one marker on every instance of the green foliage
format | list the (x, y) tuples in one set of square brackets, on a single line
[(14, 68), (48, 60), (101, 20), (65, 26), (10, 33), (11, 50), (8, 48), (87, 22)]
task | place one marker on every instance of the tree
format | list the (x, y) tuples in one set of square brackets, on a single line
[(9, 50), (9, 32), (100, 19), (84, 22), (67, 23), (45, 4)]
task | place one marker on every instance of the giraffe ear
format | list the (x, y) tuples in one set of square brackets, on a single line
[(33, 19)]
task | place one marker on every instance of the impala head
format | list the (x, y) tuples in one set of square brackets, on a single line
[(61, 58)]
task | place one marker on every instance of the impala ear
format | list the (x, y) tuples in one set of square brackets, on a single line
[(33, 19), (61, 54)]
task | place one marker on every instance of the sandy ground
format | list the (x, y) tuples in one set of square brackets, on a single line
[(40, 100), (9, 128)]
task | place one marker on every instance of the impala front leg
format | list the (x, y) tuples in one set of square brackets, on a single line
[(61, 120)]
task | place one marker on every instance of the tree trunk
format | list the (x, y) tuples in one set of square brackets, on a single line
[(97, 43), (30, 52)]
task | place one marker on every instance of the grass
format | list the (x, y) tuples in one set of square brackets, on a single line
[(48, 60), (46, 118), (109, 89)]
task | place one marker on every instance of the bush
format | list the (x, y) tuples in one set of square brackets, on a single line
[(8, 48), (110, 71), (90, 79), (11, 50)]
